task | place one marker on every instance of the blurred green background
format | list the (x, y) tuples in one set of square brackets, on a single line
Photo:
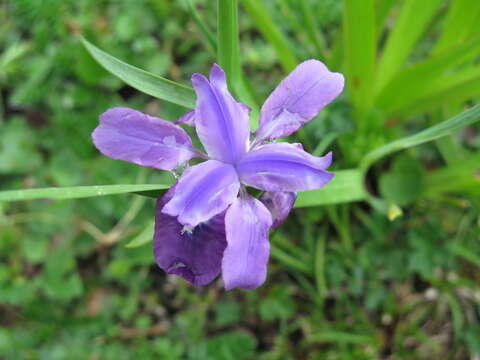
[(345, 281)]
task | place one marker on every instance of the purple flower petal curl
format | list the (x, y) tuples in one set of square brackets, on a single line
[(297, 99), (245, 259), (222, 124), (284, 167), (279, 204), (197, 255), (187, 119), (129, 135), (203, 191)]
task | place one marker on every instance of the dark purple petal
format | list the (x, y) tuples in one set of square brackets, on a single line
[(280, 204), (197, 255), (187, 119), (222, 123), (297, 99), (284, 167), (245, 259), (203, 191), (129, 135)]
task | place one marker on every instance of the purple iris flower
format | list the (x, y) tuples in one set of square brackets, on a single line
[(207, 222)]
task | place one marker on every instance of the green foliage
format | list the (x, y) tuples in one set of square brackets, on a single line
[(77, 277)]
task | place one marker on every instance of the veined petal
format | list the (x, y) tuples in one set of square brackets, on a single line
[(297, 99), (196, 255), (222, 123), (129, 135), (279, 204), (245, 259), (284, 167), (203, 191)]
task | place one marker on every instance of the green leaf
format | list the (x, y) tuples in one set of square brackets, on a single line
[(404, 183), (346, 186), (455, 178), (359, 36), (462, 20), (144, 81), (267, 27), (459, 86), (412, 21), (444, 128), (383, 10), (313, 30), (228, 44), (412, 83), (77, 192), (202, 26)]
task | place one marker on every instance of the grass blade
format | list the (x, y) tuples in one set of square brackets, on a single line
[(447, 127), (454, 87), (359, 36), (143, 81), (462, 19), (77, 192), (313, 31), (271, 32), (346, 186), (408, 85), (202, 26), (228, 46), (412, 21)]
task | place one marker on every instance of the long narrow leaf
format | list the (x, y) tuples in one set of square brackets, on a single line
[(447, 127), (455, 87), (77, 192), (144, 81), (412, 21), (463, 16), (270, 31), (313, 31), (202, 26), (409, 84), (228, 45), (359, 36), (346, 186)]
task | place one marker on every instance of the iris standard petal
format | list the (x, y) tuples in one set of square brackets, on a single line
[(279, 204), (129, 135), (197, 255), (284, 167), (222, 123), (245, 259), (297, 99), (203, 191)]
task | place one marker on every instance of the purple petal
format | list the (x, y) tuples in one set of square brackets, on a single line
[(222, 123), (197, 255), (203, 191), (297, 99), (284, 167), (187, 119), (129, 135), (244, 263), (280, 204)]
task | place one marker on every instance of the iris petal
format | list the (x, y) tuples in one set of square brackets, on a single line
[(297, 99), (203, 191), (197, 255), (129, 135), (245, 259), (279, 204), (284, 167), (222, 123)]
